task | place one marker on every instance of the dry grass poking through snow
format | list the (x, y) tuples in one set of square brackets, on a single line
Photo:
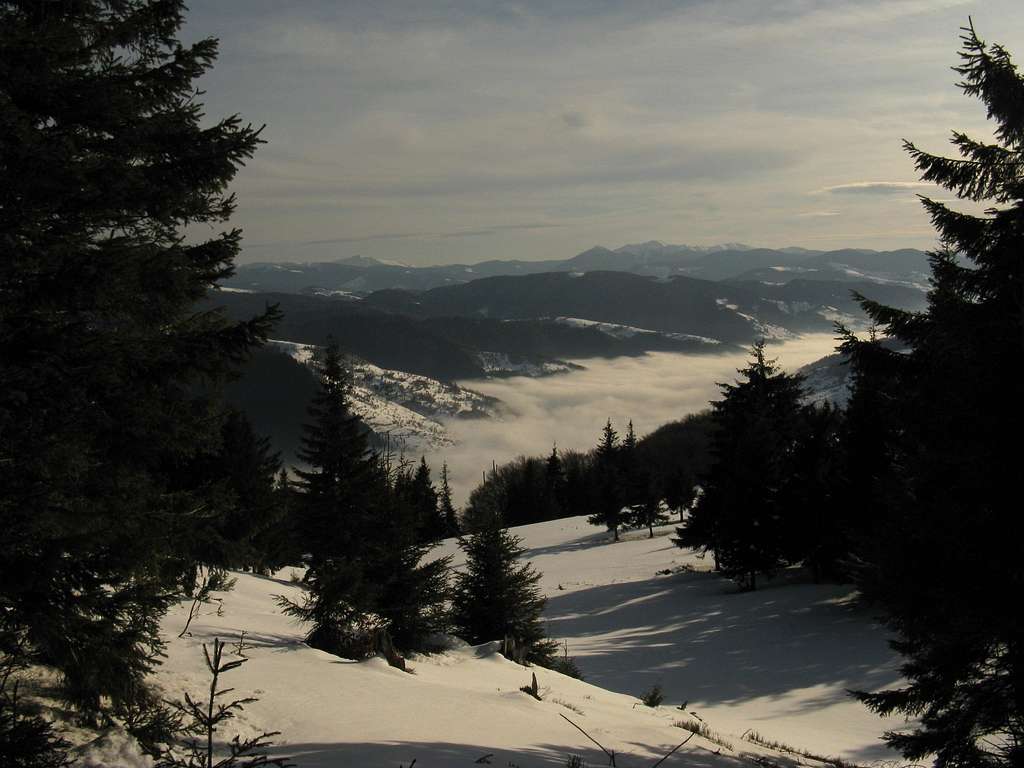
[(568, 705), (701, 728), (778, 746)]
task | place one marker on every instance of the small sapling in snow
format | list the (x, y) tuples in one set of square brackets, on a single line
[(653, 697), (202, 718)]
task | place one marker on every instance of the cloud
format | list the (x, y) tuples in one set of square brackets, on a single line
[(570, 409), (575, 119), (427, 235), (817, 214), (366, 238), (496, 229), (428, 121), (877, 187)]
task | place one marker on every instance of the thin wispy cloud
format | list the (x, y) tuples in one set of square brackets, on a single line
[(432, 235), (878, 187)]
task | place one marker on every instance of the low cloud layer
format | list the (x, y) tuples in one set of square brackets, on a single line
[(571, 409), (878, 187)]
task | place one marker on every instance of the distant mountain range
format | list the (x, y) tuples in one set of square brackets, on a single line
[(515, 317), (443, 347), (359, 275)]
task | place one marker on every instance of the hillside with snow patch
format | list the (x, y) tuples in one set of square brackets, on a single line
[(410, 408)]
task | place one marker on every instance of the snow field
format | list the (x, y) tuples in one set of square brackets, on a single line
[(777, 661)]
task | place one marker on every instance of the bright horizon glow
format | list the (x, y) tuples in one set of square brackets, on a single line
[(430, 133)]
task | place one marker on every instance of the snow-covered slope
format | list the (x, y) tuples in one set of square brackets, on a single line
[(827, 379), (628, 331), (636, 613), (408, 407)]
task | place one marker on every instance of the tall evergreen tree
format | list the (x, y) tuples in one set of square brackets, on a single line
[(581, 493), (742, 514), (244, 469), (277, 545), (108, 374), (424, 499), (608, 482), (555, 487), (870, 474), (361, 523), (951, 569), (677, 454), (815, 531), (486, 504), (496, 598), (338, 499), (445, 507), (642, 503), (412, 594), (344, 479)]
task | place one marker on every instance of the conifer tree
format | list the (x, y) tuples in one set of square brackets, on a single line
[(581, 493), (108, 374), (486, 504), (277, 545), (338, 491), (554, 486), (950, 569), (870, 473), (677, 455), (445, 507), (412, 595), (608, 482), (250, 467), (496, 598), (742, 514), (361, 522), (643, 506), (27, 740), (337, 502), (815, 531), (243, 469), (424, 499)]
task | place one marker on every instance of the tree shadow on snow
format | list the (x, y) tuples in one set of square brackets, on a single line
[(443, 754), (253, 640), (700, 642), (579, 544)]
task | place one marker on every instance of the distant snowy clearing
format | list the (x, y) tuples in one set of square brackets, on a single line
[(777, 661)]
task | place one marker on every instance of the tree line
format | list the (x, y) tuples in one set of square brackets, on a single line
[(124, 475), (627, 482)]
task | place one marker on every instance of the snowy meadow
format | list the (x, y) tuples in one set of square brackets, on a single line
[(776, 663)]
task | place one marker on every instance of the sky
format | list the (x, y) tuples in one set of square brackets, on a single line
[(571, 408), (458, 131)]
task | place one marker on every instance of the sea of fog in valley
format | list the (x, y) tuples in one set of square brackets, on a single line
[(570, 409)]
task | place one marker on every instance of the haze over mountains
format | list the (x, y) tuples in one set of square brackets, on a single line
[(533, 318), (360, 275), (467, 321)]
